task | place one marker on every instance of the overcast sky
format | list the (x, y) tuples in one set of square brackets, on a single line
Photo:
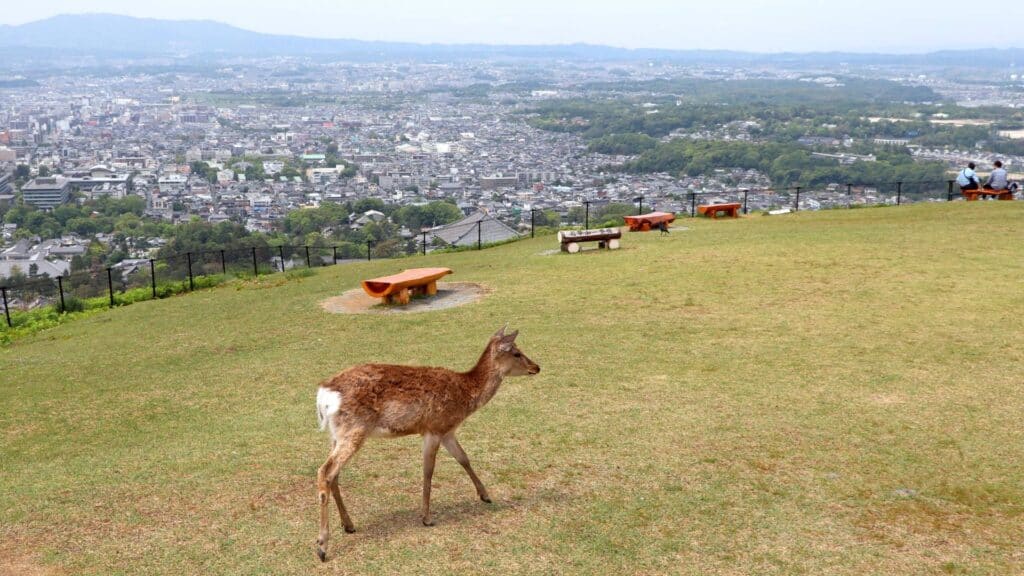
[(749, 25)]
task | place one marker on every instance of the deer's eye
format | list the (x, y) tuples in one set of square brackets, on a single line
[(517, 354)]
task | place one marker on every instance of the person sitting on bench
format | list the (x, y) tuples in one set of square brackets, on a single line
[(997, 180), (967, 179)]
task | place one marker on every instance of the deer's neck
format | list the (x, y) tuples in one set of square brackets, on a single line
[(483, 380)]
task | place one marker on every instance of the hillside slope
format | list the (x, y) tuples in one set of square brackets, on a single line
[(834, 392)]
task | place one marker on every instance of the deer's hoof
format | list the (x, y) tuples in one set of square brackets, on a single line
[(350, 529), (321, 554), (486, 499), (428, 522)]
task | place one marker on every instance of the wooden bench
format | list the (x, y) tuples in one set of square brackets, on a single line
[(649, 221), (711, 210), (398, 288), (973, 195), (605, 237)]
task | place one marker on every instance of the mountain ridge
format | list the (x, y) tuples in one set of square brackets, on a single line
[(92, 33)]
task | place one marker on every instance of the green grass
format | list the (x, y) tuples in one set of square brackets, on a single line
[(835, 392)]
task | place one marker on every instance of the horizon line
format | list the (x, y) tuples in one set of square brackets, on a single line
[(852, 52)]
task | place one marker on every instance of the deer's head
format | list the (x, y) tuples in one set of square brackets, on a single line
[(508, 359)]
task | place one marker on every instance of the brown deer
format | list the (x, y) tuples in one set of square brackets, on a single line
[(383, 400)]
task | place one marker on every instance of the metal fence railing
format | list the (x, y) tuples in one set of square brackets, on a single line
[(140, 279)]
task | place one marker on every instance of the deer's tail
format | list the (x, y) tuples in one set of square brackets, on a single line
[(328, 402)]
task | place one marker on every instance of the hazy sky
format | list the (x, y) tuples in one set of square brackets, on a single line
[(751, 25)]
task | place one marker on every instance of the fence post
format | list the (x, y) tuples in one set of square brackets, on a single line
[(223, 264), (479, 236), (949, 191), (693, 204), (110, 287), (533, 225), (796, 207), (308, 265), (334, 249), (586, 222), (280, 253), (152, 277), (60, 288), (369, 244), (849, 194), (191, 284), (640, 209), (899, 193), (745, 192), (424, 233), (255, 268), (7, 311)]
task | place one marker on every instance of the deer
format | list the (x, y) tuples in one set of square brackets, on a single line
[(390, 401)]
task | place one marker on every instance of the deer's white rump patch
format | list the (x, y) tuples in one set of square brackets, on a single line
[(328, 402)]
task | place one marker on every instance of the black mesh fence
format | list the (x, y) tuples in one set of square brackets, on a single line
[(171, 269), (240, 262), (320, 256), (826, 197), (209, 263), (86, 284), (33, 294), (267, 260)]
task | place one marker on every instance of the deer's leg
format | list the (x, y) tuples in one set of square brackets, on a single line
[(346, 445), (451, 444), (430, 445), (346, 521)]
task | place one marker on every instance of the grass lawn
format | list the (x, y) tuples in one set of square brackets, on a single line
[(838, 392)]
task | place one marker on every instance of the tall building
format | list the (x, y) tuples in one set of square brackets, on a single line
[(46, 192)]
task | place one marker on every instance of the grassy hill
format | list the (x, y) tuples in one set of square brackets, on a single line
[(834, 392)]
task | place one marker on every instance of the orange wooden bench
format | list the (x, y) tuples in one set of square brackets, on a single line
[(649, 221), (973, 195), (398, 288), (712, 210)]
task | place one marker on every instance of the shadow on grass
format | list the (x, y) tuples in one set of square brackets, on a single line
[(407, 520)]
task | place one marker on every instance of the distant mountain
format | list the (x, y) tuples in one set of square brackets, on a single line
[(108, 34)]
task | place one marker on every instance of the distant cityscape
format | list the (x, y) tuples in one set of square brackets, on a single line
[(249, 140)]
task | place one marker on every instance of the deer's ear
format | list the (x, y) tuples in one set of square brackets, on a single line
[(510, 338), (501, 331), (505, 346)]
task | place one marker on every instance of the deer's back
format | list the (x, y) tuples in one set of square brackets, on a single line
[(397, 400)]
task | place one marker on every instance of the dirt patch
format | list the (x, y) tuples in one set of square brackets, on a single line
[(449, 295), (16, 557)]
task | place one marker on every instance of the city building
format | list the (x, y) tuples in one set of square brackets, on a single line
[(46, 192)]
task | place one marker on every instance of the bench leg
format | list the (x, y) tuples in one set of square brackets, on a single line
[(400, 298), (430, 289), (403, 296)]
